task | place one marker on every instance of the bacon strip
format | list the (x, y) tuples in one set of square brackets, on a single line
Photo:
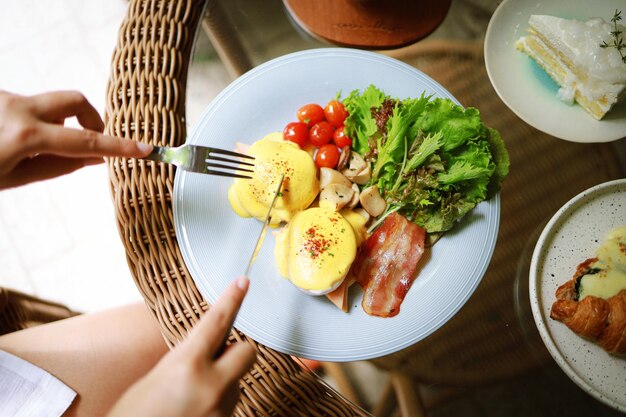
[(385, 266)]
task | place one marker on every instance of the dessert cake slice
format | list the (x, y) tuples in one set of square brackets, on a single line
[(571, 52)]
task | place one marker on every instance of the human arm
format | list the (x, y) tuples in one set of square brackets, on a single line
[(188, 381), (35, 145)]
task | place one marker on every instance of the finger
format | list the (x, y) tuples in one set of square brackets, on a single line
[(208, 335), (65, 141), (44, 167), (60, 105), (229, 399), (236, 361)]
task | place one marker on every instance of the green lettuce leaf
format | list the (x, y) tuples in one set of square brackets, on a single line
[(429, 146), (500, 158), (391, 148), (456, 124), (462, 171), (433, 161), (360, 125)]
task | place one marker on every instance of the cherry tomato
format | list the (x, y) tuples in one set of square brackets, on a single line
[(296, 132), (321, 133), (340, 138), (310, 114), (335, 113), (327, 156)]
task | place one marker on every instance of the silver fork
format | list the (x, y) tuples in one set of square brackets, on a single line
[(195, 158)]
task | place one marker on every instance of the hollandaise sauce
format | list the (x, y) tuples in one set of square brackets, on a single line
[(274, 157), (606, 276), (316, 249)]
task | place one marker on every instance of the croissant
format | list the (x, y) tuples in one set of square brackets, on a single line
[(600, 320)]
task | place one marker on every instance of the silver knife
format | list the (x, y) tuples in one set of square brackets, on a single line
[(268, 219), (257, 248)]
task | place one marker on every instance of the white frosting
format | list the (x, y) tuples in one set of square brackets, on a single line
[(566, 94), (580, 43)]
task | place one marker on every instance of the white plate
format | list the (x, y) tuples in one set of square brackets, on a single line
[(527, 90), (571, 236), (216, 243)]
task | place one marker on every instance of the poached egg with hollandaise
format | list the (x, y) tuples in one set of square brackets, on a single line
[(275, 156), (316, 249)]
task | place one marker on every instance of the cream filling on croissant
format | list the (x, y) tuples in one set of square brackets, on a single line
[(606, 276)]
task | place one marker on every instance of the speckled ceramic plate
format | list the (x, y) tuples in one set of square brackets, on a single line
[(527, 90), (571, 236), (216, 243)]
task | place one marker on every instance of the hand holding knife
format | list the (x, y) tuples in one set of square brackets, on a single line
[(255, 252)]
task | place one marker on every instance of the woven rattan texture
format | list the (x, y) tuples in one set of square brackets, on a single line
[(146, 102), (494, 336)]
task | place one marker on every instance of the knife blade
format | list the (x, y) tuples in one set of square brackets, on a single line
[(268, 219), (257, 248)]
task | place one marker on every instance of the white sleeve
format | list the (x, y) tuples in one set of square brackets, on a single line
[(28, 391)]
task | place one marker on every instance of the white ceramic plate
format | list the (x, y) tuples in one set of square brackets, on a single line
[(571, 236), (527, 90), (216, 243)]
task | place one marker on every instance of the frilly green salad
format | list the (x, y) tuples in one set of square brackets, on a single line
[(432, 160), (399, 172)]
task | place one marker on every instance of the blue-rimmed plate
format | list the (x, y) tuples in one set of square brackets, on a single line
[(527, 90), (216, 243)]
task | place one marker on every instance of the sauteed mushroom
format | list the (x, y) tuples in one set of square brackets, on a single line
[(372, 201), (330, 176), (336, 196)]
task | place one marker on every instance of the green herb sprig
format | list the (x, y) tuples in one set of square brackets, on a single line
[(618, 39)]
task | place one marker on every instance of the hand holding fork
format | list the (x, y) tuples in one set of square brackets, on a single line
[(203, 159)]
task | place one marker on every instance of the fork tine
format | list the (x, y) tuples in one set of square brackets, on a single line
[(217, 158), (209, 164), (231, 153), (206, 155), (227, 174)]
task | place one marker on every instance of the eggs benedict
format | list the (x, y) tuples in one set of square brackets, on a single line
[(316, 249), (275, 156)]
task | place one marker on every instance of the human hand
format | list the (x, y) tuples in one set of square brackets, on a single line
[(189, 381), (34, 144)]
